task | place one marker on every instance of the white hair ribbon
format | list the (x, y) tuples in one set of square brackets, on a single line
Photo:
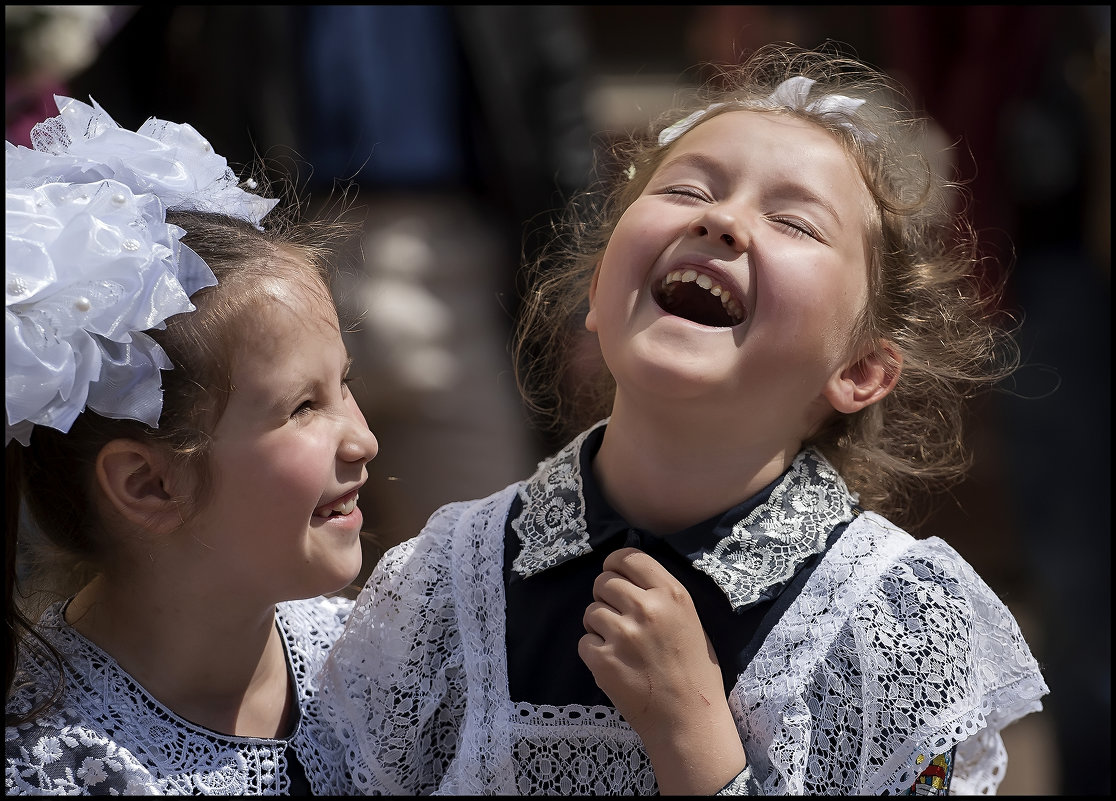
[(92, 263), (791, 93)]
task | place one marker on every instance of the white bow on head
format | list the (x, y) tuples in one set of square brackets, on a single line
[(791, 93), (92, 263)]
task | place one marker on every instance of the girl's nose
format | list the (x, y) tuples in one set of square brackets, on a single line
[(720, 225), (359, 444)]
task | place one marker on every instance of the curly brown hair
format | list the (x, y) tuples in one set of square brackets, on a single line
[(928, 294)]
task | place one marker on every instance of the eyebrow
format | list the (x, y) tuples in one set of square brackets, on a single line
[(287, 399), (307, 387), (784, 190), (795, 191), (698, 160)]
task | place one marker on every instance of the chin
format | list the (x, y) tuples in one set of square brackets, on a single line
[(332, 576), (674, 378), (351, 569)]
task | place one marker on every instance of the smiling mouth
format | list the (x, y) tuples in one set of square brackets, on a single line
[(698, 298), (337, 509)]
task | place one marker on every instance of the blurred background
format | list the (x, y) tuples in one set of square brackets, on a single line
[(460, 130)]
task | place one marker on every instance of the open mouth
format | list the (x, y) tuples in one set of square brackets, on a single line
[(699, 298), (337, 509)]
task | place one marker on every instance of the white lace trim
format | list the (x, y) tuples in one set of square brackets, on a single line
[(767, 547), (762, 553), (110, 736), (894, 649), (551, 522)]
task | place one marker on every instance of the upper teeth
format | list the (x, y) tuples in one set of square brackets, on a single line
[(732, 306), (341, 508)]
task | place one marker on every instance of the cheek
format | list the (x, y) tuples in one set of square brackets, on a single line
[(798, 298), (822, 289), (849, 300), (634, 246), (284, 468), (298, 468), (802, 310)]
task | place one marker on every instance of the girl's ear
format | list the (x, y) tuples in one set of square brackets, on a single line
[(867, 380), (591, 316), (136, 480)]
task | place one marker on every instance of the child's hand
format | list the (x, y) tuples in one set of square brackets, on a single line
[(645, 644), (649, 653)]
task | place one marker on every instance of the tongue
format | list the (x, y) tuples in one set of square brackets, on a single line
[(691, 302)]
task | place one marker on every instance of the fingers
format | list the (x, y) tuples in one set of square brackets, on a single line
[(615, 590), (632, 581), (593, 652), (594, 648), (639, 568), (601, 619)]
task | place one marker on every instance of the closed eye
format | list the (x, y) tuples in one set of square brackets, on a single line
[(686, 191), (308, 404), (796, 228)]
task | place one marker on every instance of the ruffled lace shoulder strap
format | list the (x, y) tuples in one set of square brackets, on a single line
[(895, 651), (311, 627), (399, 669)]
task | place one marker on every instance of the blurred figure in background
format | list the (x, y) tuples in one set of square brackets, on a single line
[(1029, 88)]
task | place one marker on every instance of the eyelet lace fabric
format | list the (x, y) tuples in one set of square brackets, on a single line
[(894, 649), (109, 736)]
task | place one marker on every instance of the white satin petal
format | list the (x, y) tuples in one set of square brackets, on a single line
[(92, 262)]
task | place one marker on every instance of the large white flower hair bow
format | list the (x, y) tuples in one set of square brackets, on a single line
[(92, 262), (791, 93)]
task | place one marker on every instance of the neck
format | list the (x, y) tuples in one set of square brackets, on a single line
[(210, 662), (664, 475)]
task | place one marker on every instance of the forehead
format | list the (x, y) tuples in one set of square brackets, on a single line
[(776, 147), (285, 312)]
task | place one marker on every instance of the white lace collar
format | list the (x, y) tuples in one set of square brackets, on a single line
[(761, 554), (92, 668)]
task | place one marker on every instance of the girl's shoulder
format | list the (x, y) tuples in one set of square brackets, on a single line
[(880, 560), (69, 749), (884, 597), (916, 606), (881, 548), (908, 628), (420, 583), (486, 511), (65, 753), (426, 557)]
